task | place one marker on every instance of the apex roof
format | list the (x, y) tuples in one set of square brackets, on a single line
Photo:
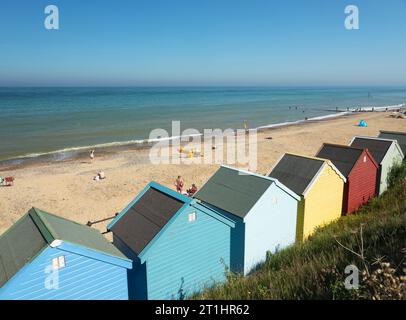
[(343, 157), (237, 191), (400, 137), (298, 172), (37, 230), (377, 147)]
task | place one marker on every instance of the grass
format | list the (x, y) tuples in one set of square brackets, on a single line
[(315, 268)]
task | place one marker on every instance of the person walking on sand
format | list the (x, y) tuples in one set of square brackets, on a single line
[(179, 183), (91, 154)]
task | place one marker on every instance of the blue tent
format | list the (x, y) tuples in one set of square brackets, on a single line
[(362, 123)]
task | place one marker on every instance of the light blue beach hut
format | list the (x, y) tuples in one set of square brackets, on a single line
[(177, 245), (263, 209), (46, 257)]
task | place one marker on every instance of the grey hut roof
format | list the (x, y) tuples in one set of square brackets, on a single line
[(296, 172), (343, 157), (138, 224), (394, 135), (36, 230), (230, 190), (18, 246), (377, 147)]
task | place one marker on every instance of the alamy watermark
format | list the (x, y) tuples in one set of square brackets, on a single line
[(52, 19), (213, 146), (52, 279), (351, 21), (351, 282)]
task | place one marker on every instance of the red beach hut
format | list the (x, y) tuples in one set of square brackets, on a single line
[(360, 169)]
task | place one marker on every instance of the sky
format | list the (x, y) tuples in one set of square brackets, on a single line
[(202, 43)]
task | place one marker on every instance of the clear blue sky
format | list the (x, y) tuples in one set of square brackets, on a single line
[(202, 42)]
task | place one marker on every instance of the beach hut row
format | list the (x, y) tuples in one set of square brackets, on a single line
[(168, 246)]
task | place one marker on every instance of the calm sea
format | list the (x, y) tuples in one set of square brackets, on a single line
[(42, 120)]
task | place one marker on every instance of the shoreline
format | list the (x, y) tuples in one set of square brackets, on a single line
[(103, 149), (67, 188)]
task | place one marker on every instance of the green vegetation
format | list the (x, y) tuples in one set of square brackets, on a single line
[(373, 239)]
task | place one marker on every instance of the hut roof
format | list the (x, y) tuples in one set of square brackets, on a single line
[(236, 191), (38, 229), (343, 157), (146, 216), (376, 146), (298, 172), (395, 135)]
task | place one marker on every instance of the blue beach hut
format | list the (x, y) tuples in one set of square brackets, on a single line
[(46, 257), (263, 209), (177, 245)]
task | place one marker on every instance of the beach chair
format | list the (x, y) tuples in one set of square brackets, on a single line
[(9, 181)]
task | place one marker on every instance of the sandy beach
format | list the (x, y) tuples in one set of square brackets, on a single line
[(67, 188)]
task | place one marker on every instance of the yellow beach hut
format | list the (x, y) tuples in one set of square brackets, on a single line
[(320, 185)]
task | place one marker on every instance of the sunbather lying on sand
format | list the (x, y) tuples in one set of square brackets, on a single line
[(7, 181), (100, 176), (192, 190)]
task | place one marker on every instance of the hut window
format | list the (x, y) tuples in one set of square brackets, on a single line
[(365, 158), (192, 216), (274, 200), (58, 263)]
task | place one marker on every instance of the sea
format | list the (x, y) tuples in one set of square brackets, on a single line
[(60, 122)]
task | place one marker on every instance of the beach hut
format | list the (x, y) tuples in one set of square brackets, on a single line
[(177, 245), (320, 185), (263, 209), (387, 153), (400, 137), (360, 170), (46, 257)]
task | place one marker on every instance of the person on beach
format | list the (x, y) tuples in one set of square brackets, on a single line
[(100, 176), (192, 190), (179, 183), (246, 126), (91, 154)]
